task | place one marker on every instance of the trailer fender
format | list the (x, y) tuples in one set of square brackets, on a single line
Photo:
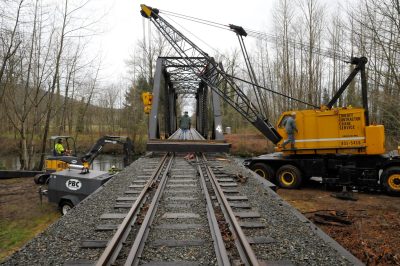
[(73, 199)]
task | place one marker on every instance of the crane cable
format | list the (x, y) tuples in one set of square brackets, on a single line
[(265, 36), (167, 13)]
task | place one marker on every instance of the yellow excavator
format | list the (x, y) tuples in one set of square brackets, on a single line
[(58, 162)]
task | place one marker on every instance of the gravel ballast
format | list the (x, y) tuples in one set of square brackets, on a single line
[(61, 242), (294, 239)]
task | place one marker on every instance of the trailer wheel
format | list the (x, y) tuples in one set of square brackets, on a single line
[(41, 179), (263, 170), (391, 180), (65, 206), (289, 176)]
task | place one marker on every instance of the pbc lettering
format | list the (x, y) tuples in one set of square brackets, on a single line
[(73, 184)]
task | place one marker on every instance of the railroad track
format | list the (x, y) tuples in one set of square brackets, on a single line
[(165, 210), (190, 134), (182, 213)]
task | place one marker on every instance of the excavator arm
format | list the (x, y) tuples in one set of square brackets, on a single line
[(213, 74), (95, 150)]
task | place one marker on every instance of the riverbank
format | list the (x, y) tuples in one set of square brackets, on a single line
[(10, 153), (10, 145), (244, 145)]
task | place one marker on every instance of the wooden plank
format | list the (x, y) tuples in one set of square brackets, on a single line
[(126, 198), (180, 215), (93, 243), (181, 198), (261, 240), (240, 205), (171, 263), (182, 226), (228, 184), (106, 227), (251, 225), (178, 243), (252, 214), (237, 198), (123, 205), (113, 216)]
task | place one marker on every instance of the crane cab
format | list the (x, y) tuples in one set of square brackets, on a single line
[(338, 130)]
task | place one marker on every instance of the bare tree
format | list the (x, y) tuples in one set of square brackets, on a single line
[(10, 44)]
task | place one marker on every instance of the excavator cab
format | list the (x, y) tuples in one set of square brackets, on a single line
[(57, 162), (67, 141)]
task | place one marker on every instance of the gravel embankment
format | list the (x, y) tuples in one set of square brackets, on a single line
[(61, 242), (293, 238)]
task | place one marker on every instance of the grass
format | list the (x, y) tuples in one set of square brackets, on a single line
[(14, 234), (22, 216)]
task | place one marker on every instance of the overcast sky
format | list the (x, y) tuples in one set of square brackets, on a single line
[(122, 24)]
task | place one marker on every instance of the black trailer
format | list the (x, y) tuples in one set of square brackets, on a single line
[(69, 187)]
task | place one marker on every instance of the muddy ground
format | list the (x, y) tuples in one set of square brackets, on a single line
[(368, 227)]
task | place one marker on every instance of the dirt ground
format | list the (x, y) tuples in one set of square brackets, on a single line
[(22, 216), (249, 144), (368, 227)]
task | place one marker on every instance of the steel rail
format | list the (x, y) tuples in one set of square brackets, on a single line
[(219, 246), (138, 245), (197, 135), (191, 134), (175, 134), (246, 252), (113, 248)]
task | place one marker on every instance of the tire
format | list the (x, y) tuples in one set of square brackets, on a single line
[(264, 170), (65, 206), (391, 180), (289, 176), (41, 179)]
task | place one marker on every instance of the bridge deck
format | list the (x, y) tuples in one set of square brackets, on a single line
[(191, 134), (187, 141)]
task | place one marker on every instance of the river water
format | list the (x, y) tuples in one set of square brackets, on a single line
[(103, 162)]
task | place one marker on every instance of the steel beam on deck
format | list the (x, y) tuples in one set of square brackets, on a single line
[(217, 129), (201, 110), (187, 146), (170, 109), (216, 107), (154, 132)]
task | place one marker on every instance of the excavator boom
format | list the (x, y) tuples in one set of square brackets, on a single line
[(98, 146)]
